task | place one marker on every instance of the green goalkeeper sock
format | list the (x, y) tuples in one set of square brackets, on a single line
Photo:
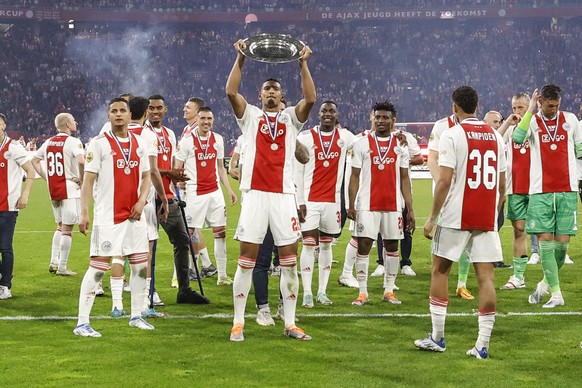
[(560, 252), (519, 265), (464, 265), (549, 264)]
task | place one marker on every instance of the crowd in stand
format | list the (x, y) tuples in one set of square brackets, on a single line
[(415, 64), (278, 5)]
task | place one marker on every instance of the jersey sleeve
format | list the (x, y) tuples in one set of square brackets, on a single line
[(446, 149), (247, 114), (41, 152), (19, 154), (413, 147), (77, 148), (94, 155), (219, 146), (435, 136), (183, 148), (298, 125), (358, 153)]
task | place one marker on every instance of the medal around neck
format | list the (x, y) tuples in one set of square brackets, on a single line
[(272, 48)]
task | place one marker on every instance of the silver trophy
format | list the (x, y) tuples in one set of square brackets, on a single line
[(273, 48)]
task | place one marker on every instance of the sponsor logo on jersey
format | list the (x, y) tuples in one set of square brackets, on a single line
[(121, 163)]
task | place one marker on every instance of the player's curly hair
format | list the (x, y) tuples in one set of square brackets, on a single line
[(466, 98), (386, 105)]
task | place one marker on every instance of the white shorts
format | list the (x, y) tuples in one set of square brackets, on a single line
[(122, 239), (151, 217), (261, 210), (67, 211), (482, 247), (389, 224), (207, 209), (325, 216)]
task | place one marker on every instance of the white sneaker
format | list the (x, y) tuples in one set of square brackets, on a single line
[(126, 287), (5, 293), (513, 283), (408, 271), (280, 312), (65, 272), (264, 317), (157, 300), (334, 241), (542, 289), (99, 291), (534, 258), (567, 259), (379, 271), (348, 281), (85, 330), (553, 302), (140, 323)]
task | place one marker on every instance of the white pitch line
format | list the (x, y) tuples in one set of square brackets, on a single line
[(325, 315)]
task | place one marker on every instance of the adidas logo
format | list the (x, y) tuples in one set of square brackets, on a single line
[(360, 272), (240, 296), (292, 297), (327, 268), (308, 269)]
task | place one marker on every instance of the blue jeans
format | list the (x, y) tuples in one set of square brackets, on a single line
[(261, 270), (7, 225)]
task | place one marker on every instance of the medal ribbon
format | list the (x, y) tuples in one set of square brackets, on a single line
[(555, 131), (128, 156), (272, 127), (382, 157), (325, 150), (199, 140)]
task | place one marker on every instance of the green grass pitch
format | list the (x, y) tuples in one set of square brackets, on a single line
[(364, 346)]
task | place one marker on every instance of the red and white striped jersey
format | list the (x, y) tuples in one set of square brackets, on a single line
[(59, 156), (379, 161), (119, 164), (438, 129), (269, 155), (553, 155), (166, 139), (476, 153), (327, 158), (12, 157), (518, 164), (201, 156)]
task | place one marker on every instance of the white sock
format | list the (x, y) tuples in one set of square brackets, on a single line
[(56, 247), (391, 263), (307, 262), (289, 287), (325, 262), (486, 322), (138, 263), (147, 294), (243, 277), (350, 259), (220, 254), (64, 250), (362, 264), (203, 255), (89, 285), (438, 314), (117, 292)]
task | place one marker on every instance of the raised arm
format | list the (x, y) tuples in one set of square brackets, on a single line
[(303, 108), (237, 101)]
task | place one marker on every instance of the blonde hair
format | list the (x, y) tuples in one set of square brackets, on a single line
[(62, 119)]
